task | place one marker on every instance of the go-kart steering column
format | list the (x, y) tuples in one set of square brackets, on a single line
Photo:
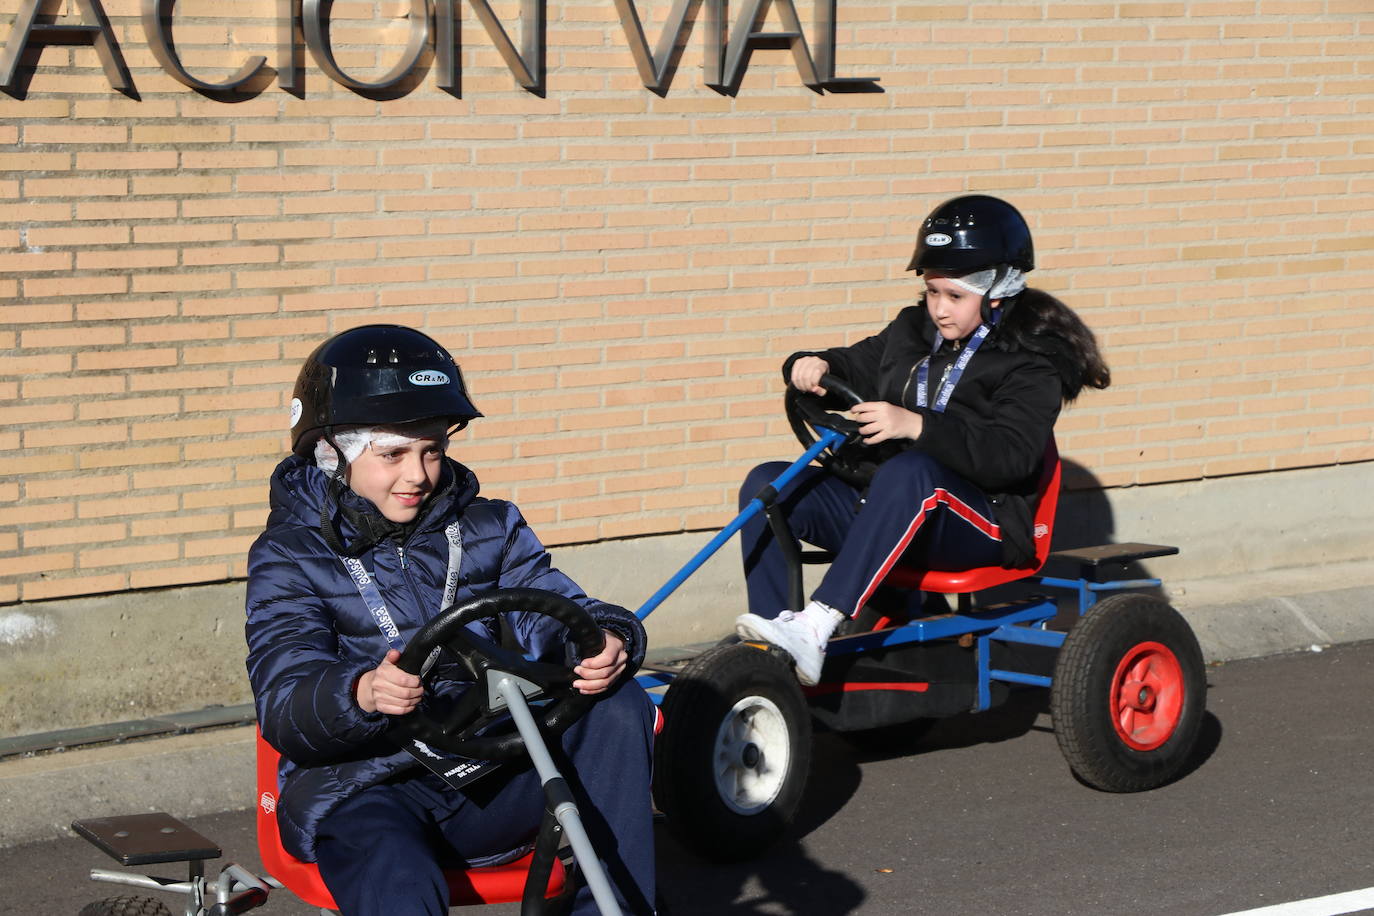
[(559, 796)]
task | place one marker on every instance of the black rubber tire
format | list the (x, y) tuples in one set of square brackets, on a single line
[(126, 906), (746, 686), (1095, 657)]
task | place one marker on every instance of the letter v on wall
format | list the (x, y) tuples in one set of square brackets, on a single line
[(656, 67)]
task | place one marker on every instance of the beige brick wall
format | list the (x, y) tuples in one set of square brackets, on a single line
[(620, 274)]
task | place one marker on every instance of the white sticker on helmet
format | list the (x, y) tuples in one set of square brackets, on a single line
[(296, 410), (938, 239), (428, 377)]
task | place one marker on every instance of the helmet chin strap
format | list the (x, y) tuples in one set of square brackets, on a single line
[(332, 490)]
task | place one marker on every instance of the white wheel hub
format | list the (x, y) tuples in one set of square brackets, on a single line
[(752, 755)]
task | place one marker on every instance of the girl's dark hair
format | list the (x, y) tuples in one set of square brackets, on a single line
[(1036, 321)]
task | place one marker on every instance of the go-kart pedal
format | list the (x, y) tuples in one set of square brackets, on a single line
[(151, 839), (146, 839)]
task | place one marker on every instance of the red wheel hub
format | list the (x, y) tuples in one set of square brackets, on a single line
[(1147, 696)]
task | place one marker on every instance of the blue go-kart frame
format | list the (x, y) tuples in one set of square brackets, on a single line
[(1125, 673)]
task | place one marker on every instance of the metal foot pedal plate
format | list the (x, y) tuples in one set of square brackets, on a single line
[(146, 839), (1095, 562)]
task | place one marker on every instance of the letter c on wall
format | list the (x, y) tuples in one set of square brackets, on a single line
[(157, 25)]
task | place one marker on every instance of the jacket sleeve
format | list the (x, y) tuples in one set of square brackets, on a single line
[(525, 563), (302, 688), (1005, 449)]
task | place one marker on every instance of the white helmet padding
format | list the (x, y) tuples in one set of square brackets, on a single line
[(985, 282), (353, 440)]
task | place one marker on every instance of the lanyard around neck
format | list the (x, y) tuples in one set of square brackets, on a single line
[(452, 769), (376, 604), (956, 372)]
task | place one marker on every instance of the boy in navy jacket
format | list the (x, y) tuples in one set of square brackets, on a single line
[(370, 498)]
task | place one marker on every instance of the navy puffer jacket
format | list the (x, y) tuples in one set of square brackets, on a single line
[(311, 636)]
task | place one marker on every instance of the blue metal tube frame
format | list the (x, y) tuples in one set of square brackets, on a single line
[(992, 619), (1087, 591), (828, 437)]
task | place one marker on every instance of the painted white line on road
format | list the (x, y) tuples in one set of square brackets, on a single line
[(1332, 905)]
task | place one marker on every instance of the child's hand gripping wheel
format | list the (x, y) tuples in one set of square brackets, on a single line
[(851, 460), (472, 726)]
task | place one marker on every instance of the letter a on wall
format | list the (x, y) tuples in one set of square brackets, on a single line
[(94, 29)]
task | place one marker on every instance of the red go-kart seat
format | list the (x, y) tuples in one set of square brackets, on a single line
[(491, 884), (974, 580)]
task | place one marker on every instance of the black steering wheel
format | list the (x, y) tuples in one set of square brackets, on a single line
[(471, 726), (850, 460)]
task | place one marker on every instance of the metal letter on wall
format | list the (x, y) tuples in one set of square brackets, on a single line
[(289, 64), (656, 68), (748, 35), (315, 14), (528, 67), (825, 53), (157, 25), (93, 30)]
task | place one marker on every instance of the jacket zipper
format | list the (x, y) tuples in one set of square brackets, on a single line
[(907, 387)]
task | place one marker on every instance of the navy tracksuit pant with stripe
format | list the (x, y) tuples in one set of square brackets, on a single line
[(916, 510)]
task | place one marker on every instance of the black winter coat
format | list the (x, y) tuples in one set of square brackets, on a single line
[(1001, 415), (311, 636)]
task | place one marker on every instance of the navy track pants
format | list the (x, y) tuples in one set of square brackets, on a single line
[(916, 510), (383, 850)]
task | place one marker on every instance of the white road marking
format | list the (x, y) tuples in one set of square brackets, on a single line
[(1331, 905)]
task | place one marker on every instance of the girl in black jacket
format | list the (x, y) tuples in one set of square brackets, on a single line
[(963, 389)]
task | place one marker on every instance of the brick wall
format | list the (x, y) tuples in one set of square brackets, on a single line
[(620, 273)]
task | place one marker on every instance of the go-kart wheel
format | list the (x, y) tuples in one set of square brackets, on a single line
[(472, 726), (126, 906), (1128, 695), (851, 460), (732, 760)]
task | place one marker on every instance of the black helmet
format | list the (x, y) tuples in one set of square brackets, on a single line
[(373, 375), (971, 233)]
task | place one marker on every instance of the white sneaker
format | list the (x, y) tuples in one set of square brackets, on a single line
[(802, 636)]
